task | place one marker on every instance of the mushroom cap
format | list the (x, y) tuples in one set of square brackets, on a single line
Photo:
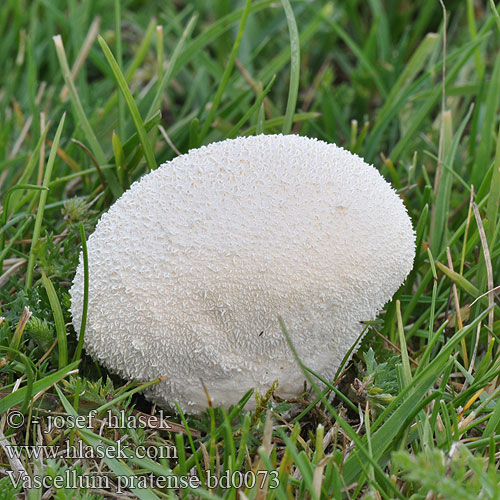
[(191, 268)]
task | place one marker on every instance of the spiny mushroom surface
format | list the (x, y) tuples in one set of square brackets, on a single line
[(192, 266)]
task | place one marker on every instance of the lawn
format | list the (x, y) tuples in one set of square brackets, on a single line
[(94, 95)]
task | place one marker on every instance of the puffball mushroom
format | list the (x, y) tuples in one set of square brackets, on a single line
[(191, 268)]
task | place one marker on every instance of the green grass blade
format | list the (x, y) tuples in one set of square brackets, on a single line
[(81, 117), (443, 184), (58, 320), (493, 206), (402, 343), (293, 89), (131, 104), (117, 466), (127, 394), (17, 397), (30, 368), (459, 280), (255, 106), (191, 442), (425, 110), (119, 60), (217, 29), (358, 52), (133, 141), (170, 68), (400, 92), (360, 447), (138, 59), (28, 171), (10, 192), (441, 206), (306, 33), (41, 206), (397, 412), (488, 130), (227, 73), (279, 120)]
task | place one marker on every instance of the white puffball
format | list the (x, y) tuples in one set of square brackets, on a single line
[(192, 266)]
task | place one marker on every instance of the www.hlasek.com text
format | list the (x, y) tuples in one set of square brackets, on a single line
[(80, 450)]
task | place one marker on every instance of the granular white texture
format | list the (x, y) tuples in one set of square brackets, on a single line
[(192, 266)]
